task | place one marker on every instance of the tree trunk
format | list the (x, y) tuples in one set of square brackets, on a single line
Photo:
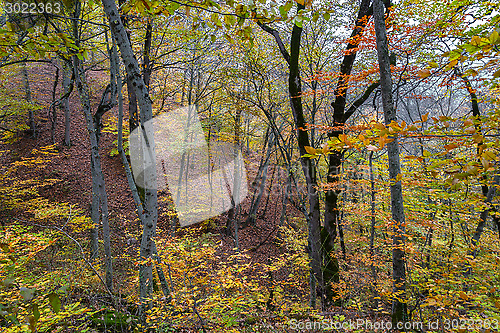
[(233, 214), (399, 307), (372, 232), (261, 178), (133, 120), (295, 90), (53, 114), (146, 65), (308, 168), (27, 96), (97, 175), (65, 103), (150, 206), (340, 117)]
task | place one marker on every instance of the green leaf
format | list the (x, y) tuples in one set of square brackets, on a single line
[(27, 293), (298, 21), (36, 312), (315, 17), (283, 12), (470, 48), (55, 302), (230, 20)]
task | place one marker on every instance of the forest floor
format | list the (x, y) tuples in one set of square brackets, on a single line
[(71, 167)]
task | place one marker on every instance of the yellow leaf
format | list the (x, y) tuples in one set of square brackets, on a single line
[(463, 296), (431, 302), (382, 141), (310, 150), (485, 163), (425, 117), (489, 155), (342, 137), (497, 73), (452, 63), (476, 40), (494, 37)]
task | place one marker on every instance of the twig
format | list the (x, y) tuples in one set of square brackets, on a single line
[(79, 246)]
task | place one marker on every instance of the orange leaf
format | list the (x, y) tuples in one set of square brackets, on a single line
[(424, 73)]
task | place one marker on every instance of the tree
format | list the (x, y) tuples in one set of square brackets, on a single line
[(147, 248), (99, 195), (399, 311)]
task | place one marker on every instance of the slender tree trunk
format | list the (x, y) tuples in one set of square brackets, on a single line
[(53, 114), (340, 116), (308, 167), (27, 96), (314, 226), (372, 232), (147, 249), (97, 174), (399, 307), (236, 176), (146, 66), (261, 177), (482, 219), (133, 120), (65, 103)]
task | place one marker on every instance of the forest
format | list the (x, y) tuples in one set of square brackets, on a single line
[(249, 166)]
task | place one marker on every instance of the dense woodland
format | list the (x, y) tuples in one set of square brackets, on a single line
[(370, 144)]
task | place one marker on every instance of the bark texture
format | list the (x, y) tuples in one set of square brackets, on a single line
[(150, 207), (399, 307)]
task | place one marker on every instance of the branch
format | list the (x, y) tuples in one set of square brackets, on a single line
[(277, 37), (79, 246), (364, 14), (354, 106), (24, 61)]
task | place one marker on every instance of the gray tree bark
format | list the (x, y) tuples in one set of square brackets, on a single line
[(27, 94), (150, 213), (97, 175), (65, 103), (399, 307)]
